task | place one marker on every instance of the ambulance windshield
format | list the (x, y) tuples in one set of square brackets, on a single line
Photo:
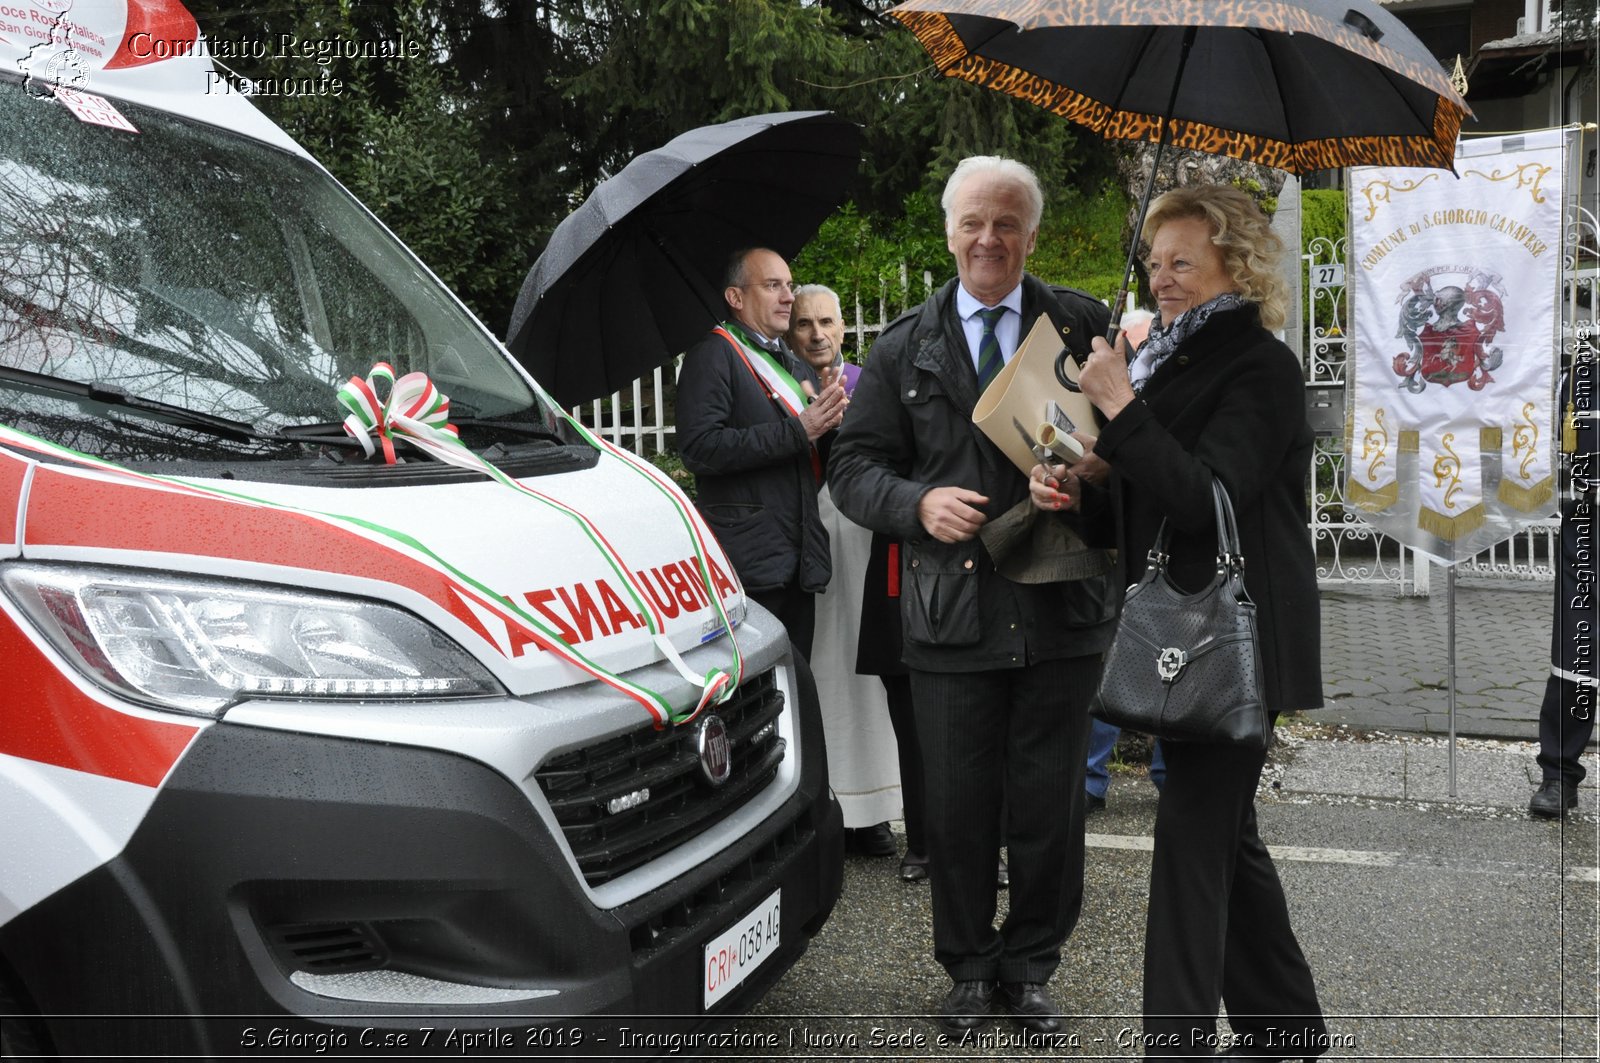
[(184, 265)]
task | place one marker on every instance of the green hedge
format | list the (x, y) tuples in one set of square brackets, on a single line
[(1322, 214), (1079, 244)]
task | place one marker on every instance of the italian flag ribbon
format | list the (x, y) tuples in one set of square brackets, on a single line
[(776, 381), (419, 413), (415, 409)]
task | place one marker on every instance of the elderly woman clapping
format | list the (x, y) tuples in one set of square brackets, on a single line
[(1212, 394)]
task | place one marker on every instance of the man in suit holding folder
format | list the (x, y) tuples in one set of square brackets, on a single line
[(1002, 672)]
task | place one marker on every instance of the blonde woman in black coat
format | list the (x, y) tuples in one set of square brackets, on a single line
[(1210, 394)]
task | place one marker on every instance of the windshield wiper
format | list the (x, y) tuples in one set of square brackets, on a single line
[(325, 434), (333, 433), (112, 395), (521, 428)]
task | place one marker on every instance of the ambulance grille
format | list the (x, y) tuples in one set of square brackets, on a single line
[(582, 785)]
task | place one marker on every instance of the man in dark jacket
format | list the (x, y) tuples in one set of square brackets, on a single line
[(1001, 671), (750, 417), (1571, 694)]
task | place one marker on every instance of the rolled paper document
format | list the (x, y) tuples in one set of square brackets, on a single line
[(1059, 443), (1055, 434)]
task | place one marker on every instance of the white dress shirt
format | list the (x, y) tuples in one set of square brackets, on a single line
[(1008, 330)]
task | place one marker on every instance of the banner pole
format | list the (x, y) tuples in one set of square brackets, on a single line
[(1450, 666)]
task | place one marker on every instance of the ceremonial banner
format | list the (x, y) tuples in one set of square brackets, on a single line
[(1455, 313)]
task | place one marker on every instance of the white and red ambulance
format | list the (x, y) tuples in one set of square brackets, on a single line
[(301, 749)]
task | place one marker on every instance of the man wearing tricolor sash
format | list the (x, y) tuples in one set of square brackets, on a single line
[(753, 421)]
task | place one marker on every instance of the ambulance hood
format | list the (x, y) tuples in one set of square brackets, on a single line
[(593, 558)]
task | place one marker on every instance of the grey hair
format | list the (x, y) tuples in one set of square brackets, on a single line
[(999, 168), (820, 289)]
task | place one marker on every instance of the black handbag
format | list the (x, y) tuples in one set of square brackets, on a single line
[(1187, 667)]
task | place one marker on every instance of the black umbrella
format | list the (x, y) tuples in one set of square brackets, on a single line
[(634, 275), (1298, 85)]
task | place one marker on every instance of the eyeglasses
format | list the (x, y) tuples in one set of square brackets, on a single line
[(773, 287)]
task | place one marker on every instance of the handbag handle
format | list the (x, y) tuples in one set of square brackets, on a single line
[(1230, 556)]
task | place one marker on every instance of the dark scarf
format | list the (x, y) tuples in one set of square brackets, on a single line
[(1163, 341)]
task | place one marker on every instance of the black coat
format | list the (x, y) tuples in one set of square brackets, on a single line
[(1229, 402), (752, 462), (908, 430), (878, 644)]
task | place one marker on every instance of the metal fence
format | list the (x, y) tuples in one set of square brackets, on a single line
[(1348, 550)]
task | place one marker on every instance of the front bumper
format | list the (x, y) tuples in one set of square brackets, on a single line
[(427, 879)]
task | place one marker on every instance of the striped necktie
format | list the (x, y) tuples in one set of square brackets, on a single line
[(989, 361)]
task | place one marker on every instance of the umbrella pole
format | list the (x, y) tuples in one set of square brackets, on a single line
[(688, 274), (1119, 306)]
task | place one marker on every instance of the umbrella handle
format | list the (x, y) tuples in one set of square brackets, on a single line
[(1061, 371)]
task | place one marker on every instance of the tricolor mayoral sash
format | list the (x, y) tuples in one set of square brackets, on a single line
[(1455, 322), (775, 381)]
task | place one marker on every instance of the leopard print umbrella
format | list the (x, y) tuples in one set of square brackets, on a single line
[(1298, 85)]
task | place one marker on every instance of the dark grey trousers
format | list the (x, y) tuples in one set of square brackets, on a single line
[(1014, 739)]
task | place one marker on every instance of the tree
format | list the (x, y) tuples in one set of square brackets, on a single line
[(510, 111), (1181, 168)]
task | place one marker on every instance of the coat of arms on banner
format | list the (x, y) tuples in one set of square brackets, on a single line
[(1455, 327), (1449, 330)]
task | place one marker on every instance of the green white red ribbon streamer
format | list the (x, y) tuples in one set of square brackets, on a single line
[(419, 413), (774, 379), (415, 409)]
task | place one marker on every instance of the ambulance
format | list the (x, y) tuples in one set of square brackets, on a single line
[(354, 696)]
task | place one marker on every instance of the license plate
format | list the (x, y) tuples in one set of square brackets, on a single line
[(746, 945)]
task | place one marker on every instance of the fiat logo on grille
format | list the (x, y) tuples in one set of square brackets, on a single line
[(711, 740)]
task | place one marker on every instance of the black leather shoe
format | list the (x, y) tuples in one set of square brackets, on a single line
[(1031, 1007), (876, 840), (1002, 876), (913, 867), (966, 1008), (1092, 804), (1552, 800)]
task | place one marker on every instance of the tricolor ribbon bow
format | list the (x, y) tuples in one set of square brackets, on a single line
[(420, 413), (415, 410)]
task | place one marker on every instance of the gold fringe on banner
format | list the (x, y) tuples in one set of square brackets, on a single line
[(1357, 494), (1451, 528), (1528, 499)]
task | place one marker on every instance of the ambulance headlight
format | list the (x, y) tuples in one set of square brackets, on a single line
[(198, 645)]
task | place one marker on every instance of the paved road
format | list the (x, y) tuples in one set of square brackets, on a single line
[(1437, 927), (1385, 658)]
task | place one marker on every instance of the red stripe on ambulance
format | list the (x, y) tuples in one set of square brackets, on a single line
[(69, 510), (156, 30), (50, 720), (13, 471)]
